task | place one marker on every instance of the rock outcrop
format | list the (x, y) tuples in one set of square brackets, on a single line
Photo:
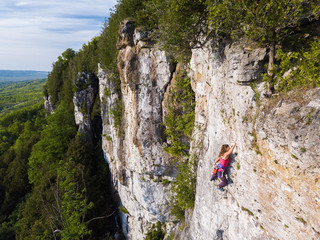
[(273, 190), (134, 147), (87, 89), (48, 106)]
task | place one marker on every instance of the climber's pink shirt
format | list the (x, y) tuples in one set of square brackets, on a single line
[(224, 163)]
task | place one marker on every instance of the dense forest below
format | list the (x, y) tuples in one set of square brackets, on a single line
[(53, 183), (17, 95)]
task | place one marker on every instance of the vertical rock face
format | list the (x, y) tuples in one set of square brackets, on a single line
[(273, 190), (48, 106), (135, 151), (274, 173), (83, 100)]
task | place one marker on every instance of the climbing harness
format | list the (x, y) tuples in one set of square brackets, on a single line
[(215, 171)]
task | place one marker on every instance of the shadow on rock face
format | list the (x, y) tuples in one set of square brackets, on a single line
[(228, 171), (219, 235)]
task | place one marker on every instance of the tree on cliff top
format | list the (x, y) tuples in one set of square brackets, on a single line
[(266, 22), (179, 25)]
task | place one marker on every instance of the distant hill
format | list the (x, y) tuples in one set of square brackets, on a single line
[(21, 75), (17, 95)]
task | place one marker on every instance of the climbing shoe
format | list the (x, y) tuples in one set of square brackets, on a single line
[(221, 189), (213, 177)]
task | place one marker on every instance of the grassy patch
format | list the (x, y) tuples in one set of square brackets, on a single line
[(254, 142), (300, 219), (156, 232), (107, 92), (165, 182), (107, 137), (303, 150), (123, 210), (245, 119), (247, 210), (116, 114)]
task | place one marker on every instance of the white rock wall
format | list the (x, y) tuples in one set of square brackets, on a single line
[(83, 100), (272, 192), (137, 161)]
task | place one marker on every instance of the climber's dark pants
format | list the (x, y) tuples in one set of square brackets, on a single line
[(223, 179)]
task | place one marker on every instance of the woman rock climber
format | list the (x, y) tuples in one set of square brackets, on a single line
[(223, 160)]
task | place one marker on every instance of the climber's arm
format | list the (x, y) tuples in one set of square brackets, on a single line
[(226, 155)]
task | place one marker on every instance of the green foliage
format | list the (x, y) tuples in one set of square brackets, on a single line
[(74, 205), (14, 96), (247, 210), (53, 144), (123, 210), (9, 227), (60, 83), (12, 124), (86, 59), (155, 232), (19, 131), (165, 182), (86, 189), (268, 23), (259, 20), (179, 121), (57, 77), (184, 187), (116, 114), (71, 185), (178, 25), (300, 219), (299, 68), (303, 150), (107, 92), (83, 109)]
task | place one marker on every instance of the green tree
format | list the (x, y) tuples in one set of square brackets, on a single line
[(178, 25), (53, 144), (155, 232), (14, 182), (299, 67), (74, 204), (179, 124), (180, 118), (266, 22), (68, 54)]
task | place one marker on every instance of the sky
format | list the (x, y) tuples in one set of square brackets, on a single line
[(33, 33)]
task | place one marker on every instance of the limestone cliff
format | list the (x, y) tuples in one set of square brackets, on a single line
[(134, 149), (48, 106), (273, 190), (83, 100)]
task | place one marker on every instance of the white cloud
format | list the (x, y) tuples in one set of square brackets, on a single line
[(34, 33)]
